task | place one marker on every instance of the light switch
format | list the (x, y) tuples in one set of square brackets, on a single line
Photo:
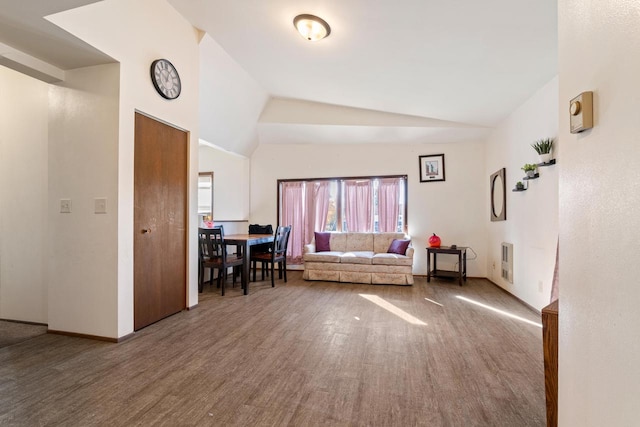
[(65, 205), (100, 205)]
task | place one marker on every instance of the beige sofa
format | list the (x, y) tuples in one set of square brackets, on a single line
[(359, 258)]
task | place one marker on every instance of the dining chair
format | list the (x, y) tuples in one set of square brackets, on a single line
[(213, 255), (278, 254), (262, 247)]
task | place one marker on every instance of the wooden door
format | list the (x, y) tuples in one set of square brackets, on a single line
[(160, 220)]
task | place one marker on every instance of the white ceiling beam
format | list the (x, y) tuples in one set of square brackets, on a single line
[(29, 65)]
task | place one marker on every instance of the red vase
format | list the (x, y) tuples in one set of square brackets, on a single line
[(434, 241)]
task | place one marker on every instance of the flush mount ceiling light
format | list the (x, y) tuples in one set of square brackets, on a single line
[(311, 27)]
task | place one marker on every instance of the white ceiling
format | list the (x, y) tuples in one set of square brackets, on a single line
[(445, 70), (460, 60), (23, 27)]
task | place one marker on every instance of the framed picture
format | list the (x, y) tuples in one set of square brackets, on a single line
[(432, 168)]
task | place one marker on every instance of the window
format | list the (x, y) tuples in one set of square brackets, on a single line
[(362, 204)]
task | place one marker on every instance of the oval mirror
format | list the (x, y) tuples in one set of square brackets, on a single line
[(498, 196)]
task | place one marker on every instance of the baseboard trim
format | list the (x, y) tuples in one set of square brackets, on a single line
[(530, 307), (90, 337), (25, 322), (193, 307)]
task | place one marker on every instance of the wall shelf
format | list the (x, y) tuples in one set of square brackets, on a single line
[(549, 163), (527, 178), (515, 190)]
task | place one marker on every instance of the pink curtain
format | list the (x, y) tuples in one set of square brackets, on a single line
[(358, 199), (293, 214), (317, 195), (388, 204)]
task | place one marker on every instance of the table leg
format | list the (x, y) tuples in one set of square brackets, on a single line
[(246, 268), (460, 267), (464, 265), (428, 266)]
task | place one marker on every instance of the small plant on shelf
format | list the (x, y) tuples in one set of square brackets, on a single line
[(519, 185), (530, 169), (543, 148)]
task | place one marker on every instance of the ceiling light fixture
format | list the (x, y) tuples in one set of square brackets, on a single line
[(311, 27)]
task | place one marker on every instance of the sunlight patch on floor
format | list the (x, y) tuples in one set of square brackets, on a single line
[(436, 303), (393, 309), (504, 313)]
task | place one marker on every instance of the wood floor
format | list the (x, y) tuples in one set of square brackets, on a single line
[(14, 332), (300, 354)]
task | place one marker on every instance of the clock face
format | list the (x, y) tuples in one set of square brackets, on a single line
[(165, 79)]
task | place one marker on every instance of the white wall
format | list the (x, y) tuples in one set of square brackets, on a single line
[(230, 100), (532, 215), (83, 165), (123, 30), (599, 375), (230, 183), (454, 209), (23, 197)]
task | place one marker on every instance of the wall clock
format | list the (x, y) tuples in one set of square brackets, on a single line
[(165, 79)]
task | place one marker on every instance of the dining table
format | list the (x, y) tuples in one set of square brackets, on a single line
[(246, 241)]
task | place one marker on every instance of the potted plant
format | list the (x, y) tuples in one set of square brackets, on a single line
[(543, 148), (519, 185), (530, 169)]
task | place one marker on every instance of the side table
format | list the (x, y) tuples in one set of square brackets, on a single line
[(461, 274)]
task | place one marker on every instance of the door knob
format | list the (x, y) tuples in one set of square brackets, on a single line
[(146, 230)]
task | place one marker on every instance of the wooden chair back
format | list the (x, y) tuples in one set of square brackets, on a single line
[(281, 241)]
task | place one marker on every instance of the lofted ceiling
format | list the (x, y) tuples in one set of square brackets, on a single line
[(23, 27), (391, 71)]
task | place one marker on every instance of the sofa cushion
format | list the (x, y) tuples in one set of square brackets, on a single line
[(391, 259), (398, 246), (330, 256), (322, 241), (381, 241), (339, 242), (357, 257), (359, 242)]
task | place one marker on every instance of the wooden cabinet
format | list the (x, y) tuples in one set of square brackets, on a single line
[(550, 349)]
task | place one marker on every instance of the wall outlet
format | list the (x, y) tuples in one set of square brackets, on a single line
[(494, 265), (65, 205)]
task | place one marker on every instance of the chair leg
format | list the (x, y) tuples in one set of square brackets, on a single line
[(284, 269), (200, 277), (222, 286), (255, 267), (273, 284)]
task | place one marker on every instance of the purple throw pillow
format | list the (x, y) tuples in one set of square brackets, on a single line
[(322, 242), (398, 247)]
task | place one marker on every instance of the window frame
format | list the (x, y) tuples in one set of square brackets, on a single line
[(339, 207)]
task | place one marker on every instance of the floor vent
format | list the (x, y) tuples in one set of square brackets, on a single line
[(507, 262)]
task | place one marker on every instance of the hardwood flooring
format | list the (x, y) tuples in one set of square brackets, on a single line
[(300, 354), (15, 332)]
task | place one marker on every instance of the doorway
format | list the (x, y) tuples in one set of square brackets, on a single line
[(160, 220)]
